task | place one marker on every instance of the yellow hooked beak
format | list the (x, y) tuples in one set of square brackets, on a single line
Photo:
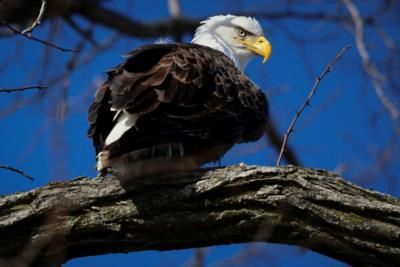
[(258, 45)]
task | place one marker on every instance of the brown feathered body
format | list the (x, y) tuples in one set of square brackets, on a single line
[(182, 105)]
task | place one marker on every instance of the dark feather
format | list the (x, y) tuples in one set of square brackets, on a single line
[(186, 94)]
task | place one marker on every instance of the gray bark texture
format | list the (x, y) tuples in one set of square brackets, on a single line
[(311, 208)]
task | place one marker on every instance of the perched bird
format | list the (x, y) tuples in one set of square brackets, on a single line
[(172, 107)]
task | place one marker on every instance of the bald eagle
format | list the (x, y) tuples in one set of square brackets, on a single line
[(172, 107)]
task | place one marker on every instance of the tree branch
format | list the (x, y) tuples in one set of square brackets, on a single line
[(308, 101), (128, 26), (275, 139), (310, 208), (30, 37), (23, 88), (183, 25), (28, 31), (370, 68), (21, 172)]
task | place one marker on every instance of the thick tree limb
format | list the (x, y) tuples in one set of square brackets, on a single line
[(180, 25), (131, 27), (311, 208)]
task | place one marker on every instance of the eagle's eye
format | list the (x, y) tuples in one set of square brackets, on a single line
[(242, 33)]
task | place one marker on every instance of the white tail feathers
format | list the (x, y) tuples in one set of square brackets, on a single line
[(124, 122)]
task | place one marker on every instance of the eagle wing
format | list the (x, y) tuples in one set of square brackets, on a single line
[(184, 94)]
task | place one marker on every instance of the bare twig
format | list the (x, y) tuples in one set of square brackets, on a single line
[(198, 260), (62, 105), (308, 100), (86, 33), (24, 88), (28, 31), (175, 12), (369, 67), (17, 32), (276, 141), (99, 48), (17, 171), (174, 8)]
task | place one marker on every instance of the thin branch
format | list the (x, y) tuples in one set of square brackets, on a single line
[(276, 141), (62, 105), (198, 260), (306, 16), (85, 33), (28, 31), (308, 100), (17, 171), (17, 32), (99, 48), (24, 88), (174, 8), (369, 67)]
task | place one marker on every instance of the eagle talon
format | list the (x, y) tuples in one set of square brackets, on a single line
[(243, 165), (104, 172)]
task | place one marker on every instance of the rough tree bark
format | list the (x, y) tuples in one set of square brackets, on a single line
[(310, 208)]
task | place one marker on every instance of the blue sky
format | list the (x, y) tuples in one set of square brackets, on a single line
[(345, 128)]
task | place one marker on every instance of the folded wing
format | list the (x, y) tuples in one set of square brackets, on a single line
[(175, 100)]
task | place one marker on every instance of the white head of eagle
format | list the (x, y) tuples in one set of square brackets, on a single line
[(240, 38), (174, 107)]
